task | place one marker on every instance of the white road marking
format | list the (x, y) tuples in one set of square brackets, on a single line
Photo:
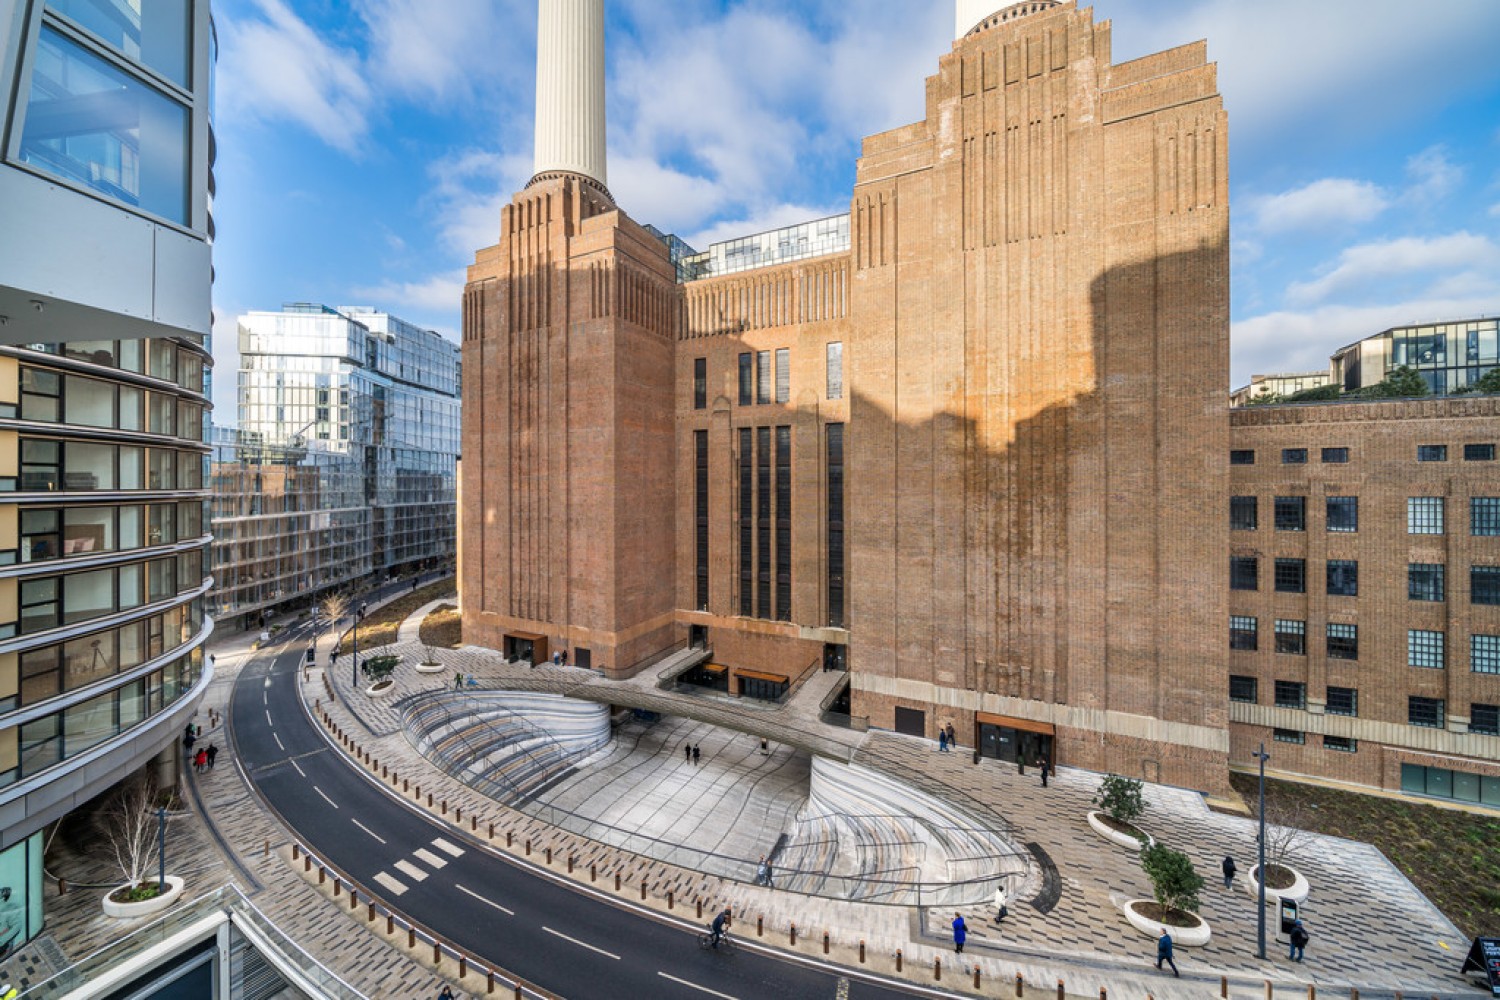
[(299, 769), (487, 902), (268, 719), (366, 829), (410, 870), (701, 989), (277, 737), (325, 798), (395, 887), (448, 848), (263, 699), (423, 854), (582, 944)]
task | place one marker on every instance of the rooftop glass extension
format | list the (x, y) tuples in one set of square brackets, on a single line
[(775, 246)]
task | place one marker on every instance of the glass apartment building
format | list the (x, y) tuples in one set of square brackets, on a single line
[(1448, 356), (343, 468), (105, 280)]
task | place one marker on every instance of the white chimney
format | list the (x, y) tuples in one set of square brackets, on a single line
[(570, 88)]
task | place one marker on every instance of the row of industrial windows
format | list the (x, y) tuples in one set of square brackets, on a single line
[(1425, 581), (1425, 712), (766, 377), (1424, 647), (1443, 783), (836, 525), (1424, 515), (756, 524), (1339, 456), (160, 359), (1342, 744), (60, 532), (49, 465), (48, 671), (51, 601), (51, 397), (42, 743), (700, 518)]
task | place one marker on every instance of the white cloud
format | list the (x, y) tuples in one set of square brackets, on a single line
[(668, 198), (1408, 258), (1332, 201), (453, 51), (470, 188), (278, 68), (1495, 210), (1433, 176), (439, 293)]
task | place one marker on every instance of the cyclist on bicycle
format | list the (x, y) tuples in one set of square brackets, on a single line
[(716, 929)]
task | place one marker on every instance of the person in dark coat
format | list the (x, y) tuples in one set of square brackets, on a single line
[(1046, 767), (1299, 938), (1164, 952), (696, 753), (960, 933), (212, 752), (687, 752), (1229, 870)]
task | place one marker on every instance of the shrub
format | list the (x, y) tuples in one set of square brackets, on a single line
[(379, 668), (1120, 798), (1173, 880)]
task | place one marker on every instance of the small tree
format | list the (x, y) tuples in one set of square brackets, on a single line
[(334, 606), (1490, 383), (1120, 798), (1174, 883), (1400, 383), (379, 668), (1286, 833), (128, 823), (429, 656)]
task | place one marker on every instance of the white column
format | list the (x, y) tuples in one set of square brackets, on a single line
[(570, 88)]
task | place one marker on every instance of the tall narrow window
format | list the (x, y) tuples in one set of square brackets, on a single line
[(700, 383), (1424, 515), (784, 523), (747, 522), (763, 521), (700, 517), (783, 375), (1244, 514), (762, 377), (1342, 513), (747, 379), (836, 370), (836, 525)]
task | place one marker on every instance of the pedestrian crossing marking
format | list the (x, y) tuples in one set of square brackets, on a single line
[(396, 888), (447, 848), (407, 868), (423, 854)]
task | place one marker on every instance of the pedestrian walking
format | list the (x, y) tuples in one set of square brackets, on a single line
[(458, 681), (446, 994), (1164, 952), (696, 753), (960, 933), (687, 752), (212, 752), (942, 741), (1299, 937), (200, 761), (952, 736), (1046, 767), (1229, 870), (762, 872), (188, 740), (1001, 910), (765, 748)]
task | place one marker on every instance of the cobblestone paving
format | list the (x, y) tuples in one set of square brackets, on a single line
[(1370, 926)]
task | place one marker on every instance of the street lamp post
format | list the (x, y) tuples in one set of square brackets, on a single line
[(1260, 872), (354, 667)]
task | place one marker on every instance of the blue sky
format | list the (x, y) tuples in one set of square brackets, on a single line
[(365, 147)]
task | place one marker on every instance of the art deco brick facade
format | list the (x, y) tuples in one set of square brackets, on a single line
[(1033, 318), (1392, 512)]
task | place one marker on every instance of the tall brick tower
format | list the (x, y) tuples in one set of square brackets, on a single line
[(1039, 424), (568, 491)]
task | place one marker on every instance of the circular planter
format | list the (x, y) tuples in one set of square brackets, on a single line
[(1299, 890), (1109, 833), (430, 668), (1185, 937), (146, 907), (380, 688)]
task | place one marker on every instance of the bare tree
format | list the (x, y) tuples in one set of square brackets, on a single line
[(334, 606), (1286, 835), (127, 821)]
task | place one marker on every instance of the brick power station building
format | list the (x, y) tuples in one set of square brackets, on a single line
[(967, 441)]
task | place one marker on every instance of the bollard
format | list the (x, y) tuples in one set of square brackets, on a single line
[(794, 935), (411, 937), (463, 966), (335, 888), (1270, 997), (371, 918), (1061, 992), (492, 829), (1020, 984), (406, 786), (390, 924), (509, 838), (296, 850), (385, 772), (62, 887), (937, 968), (825, 942), (429, 800), (353, 899), (594, 877), (898, 959), (437, 955), (700, 909), (489, 986), (976, 979), (617, 881), (458, 814), (445, 807), (643, 888), (474, 823), (518, 991), (268, 848), (570, 864), (861, 951), (322, 874), (1354, 993), (1103, 993), (549, 855), (1312, 992), (760, 926), (671, 902), (307, 862), (528, 847), (1223, 986)]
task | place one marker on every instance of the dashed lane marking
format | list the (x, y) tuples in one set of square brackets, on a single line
[(325, 798), (268, 719), (583, 944), (701, 989), (395, 887), (299, 768), (367, 829), (279, 743), (448, 848), (410, 870), (487, 902), (423, 854)]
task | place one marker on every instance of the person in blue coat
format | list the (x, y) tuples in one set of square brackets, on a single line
[(1164, 952), (960, 933)]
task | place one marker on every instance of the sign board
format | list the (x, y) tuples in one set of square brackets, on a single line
[(1484, 961)]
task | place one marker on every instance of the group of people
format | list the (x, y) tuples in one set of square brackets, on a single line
[(691, 753), (203, 760)]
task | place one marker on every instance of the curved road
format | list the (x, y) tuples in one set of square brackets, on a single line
[(502, 912)]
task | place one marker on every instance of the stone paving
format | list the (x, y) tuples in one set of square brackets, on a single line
[(1370, 927)]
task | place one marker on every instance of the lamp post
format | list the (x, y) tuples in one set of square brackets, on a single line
[(1262, 756), (359, 612)]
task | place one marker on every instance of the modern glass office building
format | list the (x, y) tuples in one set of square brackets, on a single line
[(105, 277), (1449, 355), (343, 468)]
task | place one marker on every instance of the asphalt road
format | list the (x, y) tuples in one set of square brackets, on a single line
[(558, 936)]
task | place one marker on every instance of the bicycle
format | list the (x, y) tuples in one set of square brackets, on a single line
[(726, 943)]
